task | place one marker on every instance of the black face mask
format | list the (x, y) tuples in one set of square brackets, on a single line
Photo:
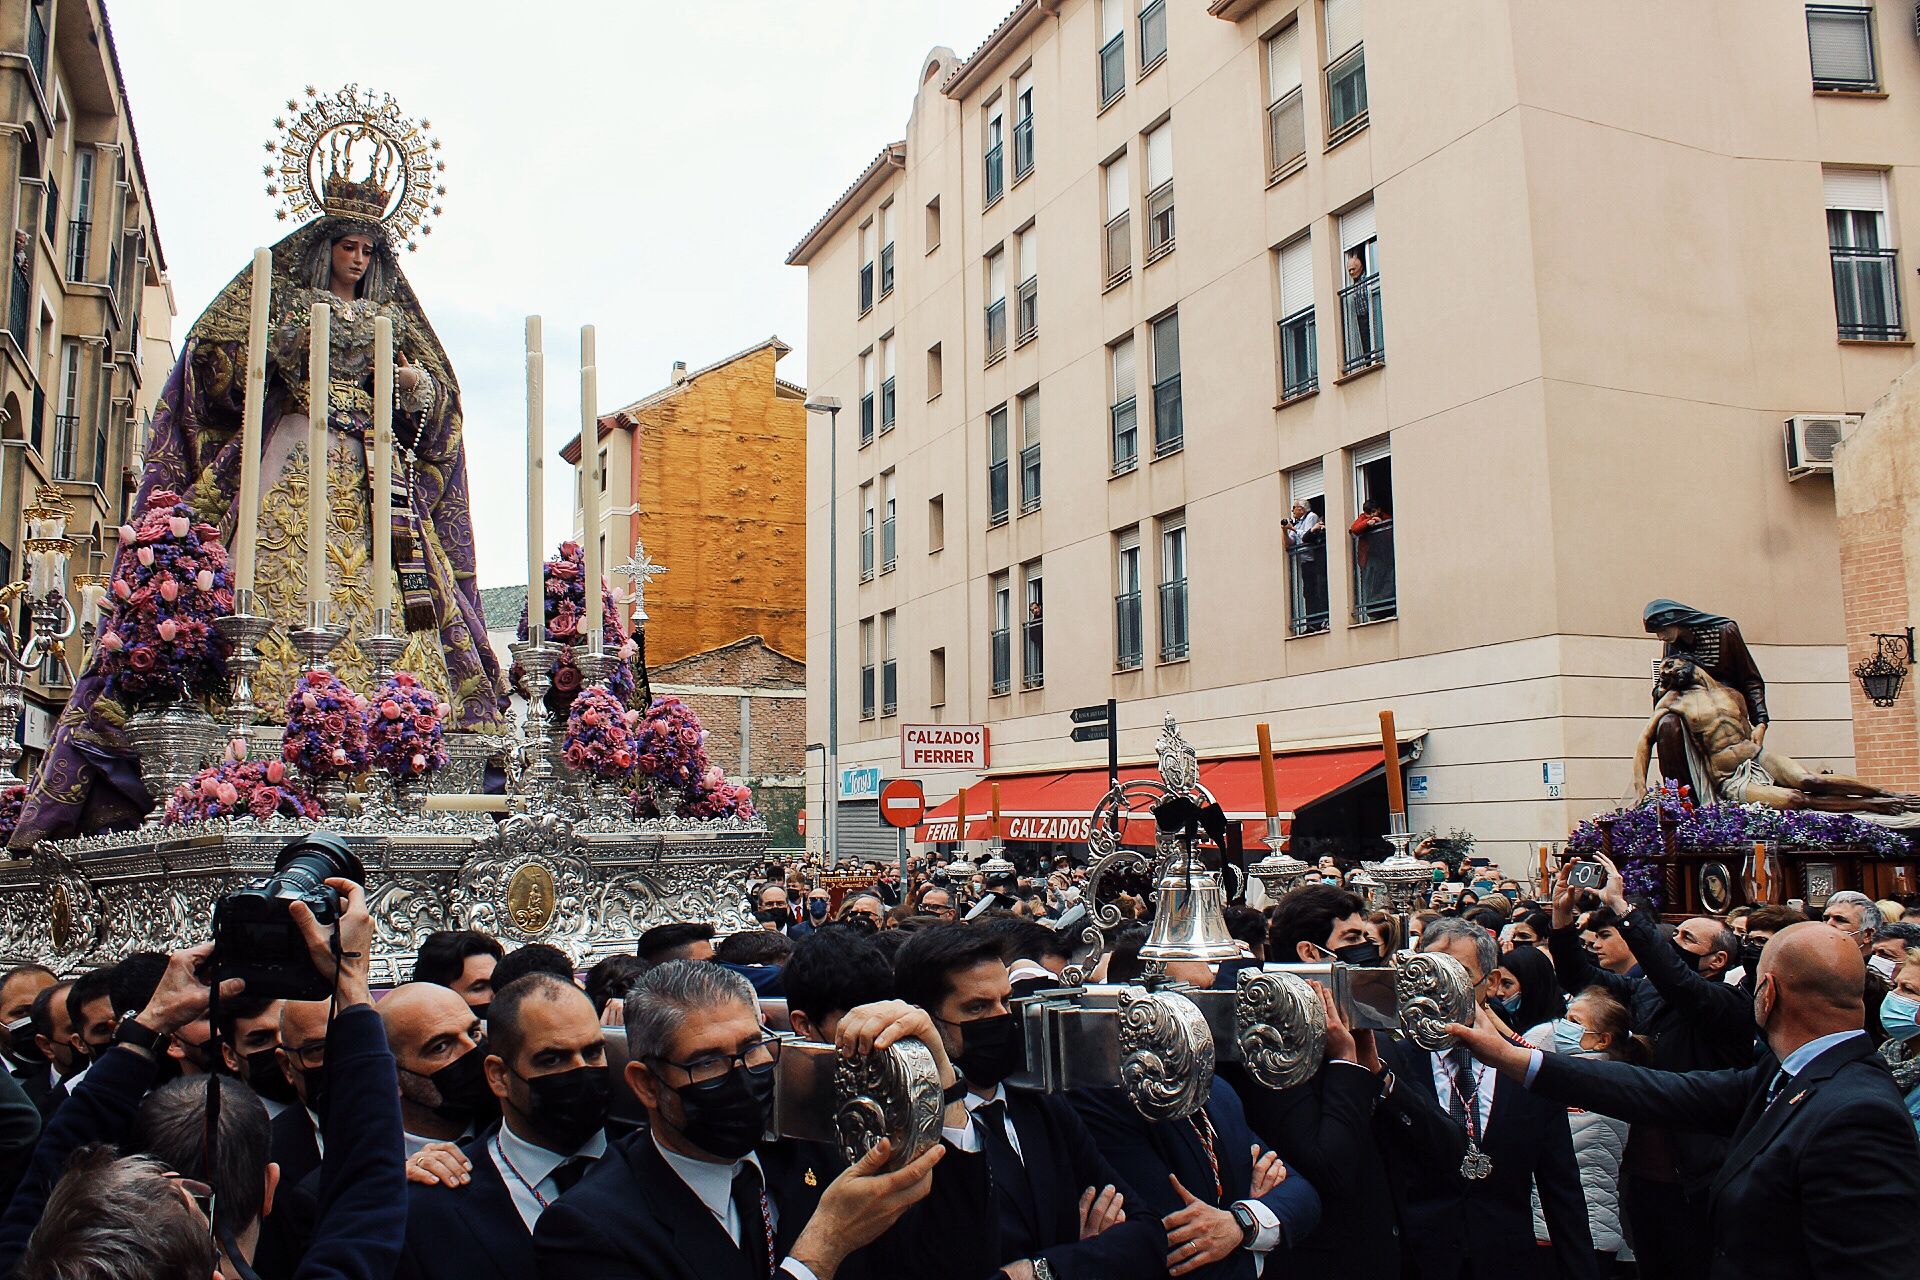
[(772, 915), (22, 1048), (1750, 955), (1691, 959), (994, 1050), (861, 924), (569, 1106), (480, 1011), (462, 1085), (1359, 954), (263, 1075), (727, 1117)]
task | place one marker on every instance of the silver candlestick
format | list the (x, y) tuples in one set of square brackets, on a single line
[(1278, 872), (596, 664), (537, 658), (316, 641), (243, 630), (1402, 877), (383, 648)]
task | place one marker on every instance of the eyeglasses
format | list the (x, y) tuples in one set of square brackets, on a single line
[(311, 1056), (761, 1054)]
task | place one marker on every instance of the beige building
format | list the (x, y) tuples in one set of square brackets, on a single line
[(1539, 289), (87, 338)]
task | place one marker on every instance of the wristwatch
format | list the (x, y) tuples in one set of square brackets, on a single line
[(1249, 1225), (137, 1034)]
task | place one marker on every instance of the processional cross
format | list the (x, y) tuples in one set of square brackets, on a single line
[(640, 567)]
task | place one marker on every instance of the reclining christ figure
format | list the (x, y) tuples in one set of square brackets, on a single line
[(1743, 771)]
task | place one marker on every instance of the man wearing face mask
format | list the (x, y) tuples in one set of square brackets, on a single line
[(463, 959), (91, 1016), (547, 1065), (1821, 1139), (819, 905), (52, 1037), (250, 1045), (695, 1196), (440, 1049), (1058, 1206), (17, 991), (1693, 1021)]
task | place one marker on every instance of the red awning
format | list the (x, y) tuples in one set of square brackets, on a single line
[(1058, 807)]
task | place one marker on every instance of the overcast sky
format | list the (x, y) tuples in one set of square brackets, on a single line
[(644, 167)]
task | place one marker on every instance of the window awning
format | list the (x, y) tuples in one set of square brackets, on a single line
[(1057, 807)]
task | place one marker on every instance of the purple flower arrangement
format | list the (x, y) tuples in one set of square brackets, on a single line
[(670, 745), (566, 597), (12, 801), (326, 727), (171, 582), (240, 788), (406, 727), (714, 797), (599, 739)]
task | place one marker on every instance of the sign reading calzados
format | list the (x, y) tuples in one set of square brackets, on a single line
[(925, 747)]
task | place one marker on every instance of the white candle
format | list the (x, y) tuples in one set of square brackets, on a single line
[(382, 463), (246, 528), (319, 385), (536, 478), (590, 480)]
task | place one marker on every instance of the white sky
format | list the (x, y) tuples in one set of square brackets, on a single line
[(640, 166)]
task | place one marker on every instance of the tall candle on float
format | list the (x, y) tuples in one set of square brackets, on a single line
[(960, 820), (1269, 785), (319, 385), (383, 464), (536, 478), (246, 526), (1390, 753), (590, 482)]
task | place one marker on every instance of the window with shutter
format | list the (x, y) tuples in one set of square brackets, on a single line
[(1299, 353), (1840, 44), (1159, 191), (1306, 536), (1286, 110), (1346, 70), (1866, 266)]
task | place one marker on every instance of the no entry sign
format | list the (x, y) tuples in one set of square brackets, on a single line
[(903, 802)]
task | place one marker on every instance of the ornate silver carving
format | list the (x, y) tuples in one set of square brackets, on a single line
[(1433, 991), (174, 741), (892, 1094), (1179, 762), (1166, 1054), (1282, 1028)]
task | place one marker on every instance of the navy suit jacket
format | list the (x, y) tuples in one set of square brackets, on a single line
[(1824, 1183), (1147, 1153), (466, 1233), (1488, 1224)]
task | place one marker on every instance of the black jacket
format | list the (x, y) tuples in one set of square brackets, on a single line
[(1823, 1184), (1487, 1225), (473, 1232), (1349, 1142)]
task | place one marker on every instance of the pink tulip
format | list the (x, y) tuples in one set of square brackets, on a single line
[(590, 718), (209, 786), (339, 755), (229, 794), (121, 589), (419, 763), (127, 535), (276, 772), (310, 702), (204, 579), (169, 590), (145, 556), (169, 629), (442, 710), (178, 526), (112, 642), (237, 749)]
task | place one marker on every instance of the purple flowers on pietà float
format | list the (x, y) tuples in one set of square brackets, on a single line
[(600, 735), (160, 645), (240, 788), (566, 622)]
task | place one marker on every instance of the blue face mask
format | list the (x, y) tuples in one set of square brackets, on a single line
[(1506, 1005), (1567, 1035), (1897, 1015)]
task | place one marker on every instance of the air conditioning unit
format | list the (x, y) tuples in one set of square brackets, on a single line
[(1811, 439)]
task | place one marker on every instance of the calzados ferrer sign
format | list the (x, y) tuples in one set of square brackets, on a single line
[(928, 748)]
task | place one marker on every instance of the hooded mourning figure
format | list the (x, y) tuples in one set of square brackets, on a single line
[(1714, 644)]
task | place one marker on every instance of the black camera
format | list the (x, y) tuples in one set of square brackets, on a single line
[(254, 936), (1587, 875)]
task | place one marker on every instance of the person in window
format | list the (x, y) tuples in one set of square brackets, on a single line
[(1306, 534), (1359, 309), (1373, 560)]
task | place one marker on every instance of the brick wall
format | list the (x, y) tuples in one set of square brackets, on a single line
[(777, 755)]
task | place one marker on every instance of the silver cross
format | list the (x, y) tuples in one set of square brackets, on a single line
[(640, 567)]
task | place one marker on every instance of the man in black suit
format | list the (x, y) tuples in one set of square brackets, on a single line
[(1824, 1175), (1474, 1220), (302, 1057), (1056, 1199), (17, 991), (690, 1197), (46, 1085), (547, 1064)]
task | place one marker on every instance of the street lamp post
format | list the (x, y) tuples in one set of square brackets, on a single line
[(830, 405)]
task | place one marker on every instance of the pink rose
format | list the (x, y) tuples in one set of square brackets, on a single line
[(334, 723), (425, 724), (623, 758), (289, 750), (389, 709), (566, 679), (262, 803), (576, 755), (204, 579), (590, 718), (178, 526), (140, 658), (126, 535), (419, 763), (145, 556), (276, 772)]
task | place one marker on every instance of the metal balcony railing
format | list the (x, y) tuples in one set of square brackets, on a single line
[(1153, 34), (1169, 426), (1030, 479), (1027, 310), (1000, 656), (66, 430), (79, 237), (37, 40), (996, 330), (50, 216), (1286, 134), (886, 406), (1854, 69), (1866, 294), (866, 554), (1113, 68), (19, 301), (996, 171), (1365, 342), (866, 418), (1307, 587), (1119, 247), (1022, 147), (1160, 220), (996, 492), (886, 269), (1126, 435), (866, 692), (1033, 656), (1127, 630), (889, 687), (866, 288), (1173, 620), (1347, 94), (889, 544), (1299, 355), (1373, 580)]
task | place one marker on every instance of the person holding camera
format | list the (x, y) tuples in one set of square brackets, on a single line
[(71, 1226)]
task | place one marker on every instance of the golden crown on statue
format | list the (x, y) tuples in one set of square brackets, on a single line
[(355, 154)]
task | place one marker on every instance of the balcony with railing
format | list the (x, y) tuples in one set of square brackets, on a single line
[(1866, 294), (889, 544), (1169, 425), (1373, 581), (1128, 644), (37, 39), (1022, 147), (886, 269), (996, 493), (1153, 35), (1347, 95), (1119, 247), (996, 330), (1307, 613), (1000, 656), (1030, 479), (1126, 435), (866, 554), (39, 420), (79, 238), (50, 216), (1027, 311), (1173, 620), (996, 175), (1299, 355), (19, 297), (1113, 68), (66, 432), (866, 287), (866, 419), (1365, 342), (1286, 136), (889, 687), (1160, 220), (866, 692), (1033, 654), (887, 406)]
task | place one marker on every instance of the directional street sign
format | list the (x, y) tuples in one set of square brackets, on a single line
[(1089, 715), (1092, 733)]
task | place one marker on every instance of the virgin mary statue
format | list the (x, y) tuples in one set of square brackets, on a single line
[(365, 179)]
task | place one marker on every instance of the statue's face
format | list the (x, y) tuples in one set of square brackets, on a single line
[(1672, 633), (352, 255), (1678, 673)]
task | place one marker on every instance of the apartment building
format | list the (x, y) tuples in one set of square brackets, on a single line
[(1512, 301), (87, 342)]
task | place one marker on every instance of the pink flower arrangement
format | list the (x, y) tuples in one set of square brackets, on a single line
[(239, 788), (406, 727), (714, 797), (326, 727), (12, 801), (599, 738), (170, 584), (566, 612), (670, 745)]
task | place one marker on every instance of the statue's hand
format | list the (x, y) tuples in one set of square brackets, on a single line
[(1760, 734), (406, 375)]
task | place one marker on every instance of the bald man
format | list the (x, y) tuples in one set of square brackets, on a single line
[(440, 1050), (1824, 1176)]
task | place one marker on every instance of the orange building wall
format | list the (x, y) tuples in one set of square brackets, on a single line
[(719, 477)]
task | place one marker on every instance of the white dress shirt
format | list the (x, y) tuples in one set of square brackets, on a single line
[(968, 1138), (1025, 969), (1483, 1080), (319, 1138), (713, 1184), (527, 1168), (415, 1144)]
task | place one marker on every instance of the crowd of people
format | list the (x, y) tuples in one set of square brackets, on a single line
[(1732, 1098)]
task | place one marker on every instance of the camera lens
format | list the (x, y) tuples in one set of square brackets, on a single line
[(309, 862)]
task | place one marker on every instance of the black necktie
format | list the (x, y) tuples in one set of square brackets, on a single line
[(756, 1220), (992, 1117), (570, 1171)]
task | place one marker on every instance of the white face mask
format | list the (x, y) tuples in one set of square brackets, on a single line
[(1882, 966)]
